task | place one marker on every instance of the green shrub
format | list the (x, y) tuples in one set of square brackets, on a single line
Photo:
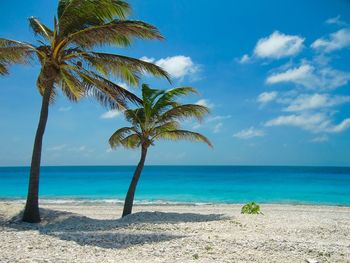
[(251, 208)]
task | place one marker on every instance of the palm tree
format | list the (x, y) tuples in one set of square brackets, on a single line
[(158, 118), (68, 63)]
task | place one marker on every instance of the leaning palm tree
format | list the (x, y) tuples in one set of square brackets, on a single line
[(68, 63), (158, 118)]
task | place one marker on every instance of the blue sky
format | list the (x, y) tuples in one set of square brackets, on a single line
[(274, 73)]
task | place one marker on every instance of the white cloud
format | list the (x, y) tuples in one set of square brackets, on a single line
[(147, 59), (211, 120), (312, 112), (205, 103), (336, 21), (177, 66), (249, 133), (81, 149), (278, 45), (267, 97), (57, 148), (335, 41), (311, 122), (328, 78), (307, 76), (65, 109), (300, 75), (64, 148), (218, 127), (320, 139), (316, 123), (78, 149), (110, 114), (244, 59), (307, 102), (219, 118), (345, 124)]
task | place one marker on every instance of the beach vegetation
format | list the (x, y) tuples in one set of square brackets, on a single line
[(195, 256), (208, 248), (251, 208), (68, 62), (158, 118)]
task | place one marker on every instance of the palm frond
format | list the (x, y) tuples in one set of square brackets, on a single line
[(136, 117), (62, 4), (119, 135), (168, 97), (105, 91), (127, 68), (150, 124), (40, 29), (14, 52), (3, 69), (118, 32), (131, 142), (123, 93), (42, 52), (112, 68), (71, 85), (184, 111), (184, 135), (165, 127), (149, 94), (148, 97), (76, 15), (179, 91), (102, 92)]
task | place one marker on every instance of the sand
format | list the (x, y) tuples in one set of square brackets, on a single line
[(76, 232)]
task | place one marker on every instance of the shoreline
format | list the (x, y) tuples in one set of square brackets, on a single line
[(115, 201), (176, 233)]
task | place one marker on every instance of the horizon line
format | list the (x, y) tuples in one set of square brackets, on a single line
[(179, 165)]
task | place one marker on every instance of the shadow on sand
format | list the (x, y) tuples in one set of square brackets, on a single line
[(120, 233)]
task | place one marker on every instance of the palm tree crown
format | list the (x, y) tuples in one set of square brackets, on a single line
[(69, 63), (159, 118), (66, 56)]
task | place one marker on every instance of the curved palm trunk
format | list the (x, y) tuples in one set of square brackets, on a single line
[(31, 212), (129, 200)]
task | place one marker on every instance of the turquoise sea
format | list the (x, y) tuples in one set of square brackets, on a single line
[(180, 184)]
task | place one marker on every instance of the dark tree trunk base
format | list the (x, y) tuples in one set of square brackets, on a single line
[(31, 215)]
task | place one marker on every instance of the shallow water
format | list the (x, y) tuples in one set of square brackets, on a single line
[(199, 184)]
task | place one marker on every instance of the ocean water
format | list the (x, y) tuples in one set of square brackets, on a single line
[(181, 184)]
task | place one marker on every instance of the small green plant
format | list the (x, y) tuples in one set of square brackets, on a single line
[(208, 248), (251, 208), (195, 256)]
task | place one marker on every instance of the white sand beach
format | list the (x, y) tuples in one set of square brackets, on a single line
[(176, 233)]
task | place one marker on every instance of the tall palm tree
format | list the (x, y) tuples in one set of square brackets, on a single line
[(68, 63), (158, 118)]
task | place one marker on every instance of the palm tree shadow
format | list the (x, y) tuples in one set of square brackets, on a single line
[(107, 233), (169, 217), (115, 239)]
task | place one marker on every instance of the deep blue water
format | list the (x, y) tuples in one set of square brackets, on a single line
[(208, 184)]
